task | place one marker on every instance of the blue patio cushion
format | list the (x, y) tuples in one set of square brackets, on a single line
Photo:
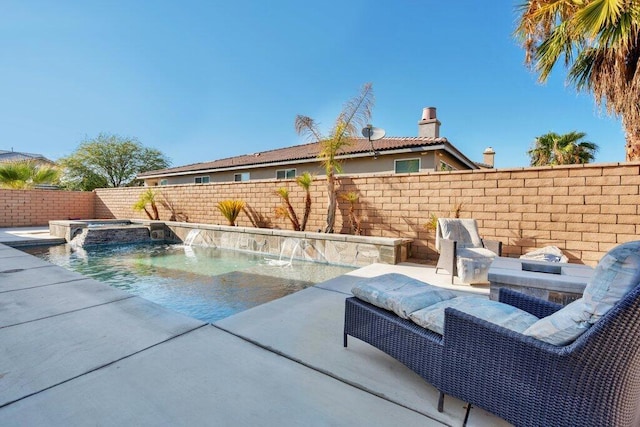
[(399, 293), (617, 273), (463, 230), (496, 312), (473, 264), (563, 326)]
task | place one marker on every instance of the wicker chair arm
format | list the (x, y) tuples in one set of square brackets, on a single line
[(536, 306), (467, 333), (494, 246)]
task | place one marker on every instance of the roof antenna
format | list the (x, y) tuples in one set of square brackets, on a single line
[(373, 134)]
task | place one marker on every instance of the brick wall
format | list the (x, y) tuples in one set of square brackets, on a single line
[(22, 208), (584, 210)]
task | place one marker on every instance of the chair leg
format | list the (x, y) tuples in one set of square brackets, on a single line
[(441, 402), (466, 415), (344, 343)]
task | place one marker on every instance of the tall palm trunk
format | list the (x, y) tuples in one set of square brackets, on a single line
[(307, 210), (331, 208), (633, 143)]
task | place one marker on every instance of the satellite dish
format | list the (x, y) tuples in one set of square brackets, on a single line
[(373, 133)]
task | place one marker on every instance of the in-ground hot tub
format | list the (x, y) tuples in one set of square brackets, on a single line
[(97, 232)]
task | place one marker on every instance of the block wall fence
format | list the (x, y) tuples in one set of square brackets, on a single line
[(583, 209), (24, 208)]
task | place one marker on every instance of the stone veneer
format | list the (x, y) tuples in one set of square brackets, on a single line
[(357, 251)]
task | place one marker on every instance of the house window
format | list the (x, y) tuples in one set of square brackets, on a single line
[(445, 166), (241, 177), (408, 166), (201, 179), (285, 173), (164, 182)]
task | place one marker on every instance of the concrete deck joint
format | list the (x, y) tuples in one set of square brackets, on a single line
[(63, 313), (101, 366), (328, 373)]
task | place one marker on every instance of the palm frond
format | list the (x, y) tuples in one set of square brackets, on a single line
[(306, 126)]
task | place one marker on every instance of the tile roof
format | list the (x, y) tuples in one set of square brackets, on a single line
[(16, 156), (300, 152)]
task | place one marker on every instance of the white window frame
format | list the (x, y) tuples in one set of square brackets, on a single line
[(164, 181), (395, 164), (285, 171), (204, 179), (242, 175)]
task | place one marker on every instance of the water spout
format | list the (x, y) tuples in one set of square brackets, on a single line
[(193, 233), (280, 262)]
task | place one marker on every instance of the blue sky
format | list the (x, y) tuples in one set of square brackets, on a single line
[(203, 80)]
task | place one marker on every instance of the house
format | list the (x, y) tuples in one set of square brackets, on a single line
[(426, 152), (16, 156)]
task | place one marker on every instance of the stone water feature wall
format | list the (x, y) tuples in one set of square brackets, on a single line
[(357, 251)]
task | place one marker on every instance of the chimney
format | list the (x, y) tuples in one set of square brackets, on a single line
[(488, 156), (429, 125)]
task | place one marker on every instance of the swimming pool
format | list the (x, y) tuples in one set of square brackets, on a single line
[(205, 283)]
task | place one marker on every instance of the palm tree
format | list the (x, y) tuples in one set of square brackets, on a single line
[(27, 174), (287, 210), (567, 149), (600, 43), (148, 198), (230, 209), (352, 197), (305, 180), (354, 115)]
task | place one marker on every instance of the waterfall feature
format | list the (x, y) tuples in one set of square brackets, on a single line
[(193, 233), (288, 244)]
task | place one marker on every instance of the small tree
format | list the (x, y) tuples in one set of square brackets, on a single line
[(148, 198), (109, 161), (287, 211), (230, 209), (305, 180), (352, 197), (355, 115), (27, 174)]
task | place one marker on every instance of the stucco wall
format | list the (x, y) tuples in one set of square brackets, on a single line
[(361, 165), (584, 210), (21, 208)]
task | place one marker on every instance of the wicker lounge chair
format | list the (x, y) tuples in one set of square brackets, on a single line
[(592, 381), (462, 252)]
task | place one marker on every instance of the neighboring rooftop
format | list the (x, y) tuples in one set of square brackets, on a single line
[(360, 152), (310, 152), (17, 156)]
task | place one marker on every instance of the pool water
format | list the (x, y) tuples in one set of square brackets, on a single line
[(205, 283)]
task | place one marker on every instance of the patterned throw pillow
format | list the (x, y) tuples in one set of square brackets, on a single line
[(563, 326), (617, 273), (492, 311), (399, 293)]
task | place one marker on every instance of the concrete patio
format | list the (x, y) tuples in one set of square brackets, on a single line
[(78, 352)]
